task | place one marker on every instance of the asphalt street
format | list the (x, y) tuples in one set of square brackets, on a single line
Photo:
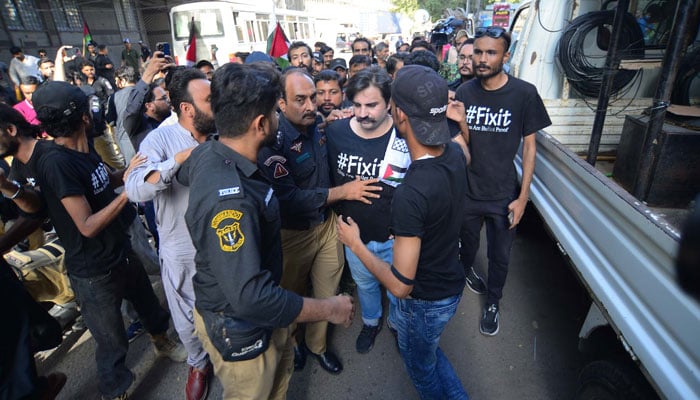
[(534, 356)]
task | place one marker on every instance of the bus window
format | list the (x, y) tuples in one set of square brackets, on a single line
[(251, 31), (262, 20), (239, 28), (213, 25)]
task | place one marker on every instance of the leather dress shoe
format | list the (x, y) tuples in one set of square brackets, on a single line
[(329, 362), (197, 386), (299, 357)]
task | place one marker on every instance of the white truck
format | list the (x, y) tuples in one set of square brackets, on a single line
[(622, 250)]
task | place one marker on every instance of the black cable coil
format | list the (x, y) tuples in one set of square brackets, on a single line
[(585, 77)]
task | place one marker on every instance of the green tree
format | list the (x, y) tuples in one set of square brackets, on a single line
[(436, 8), (407, 7)]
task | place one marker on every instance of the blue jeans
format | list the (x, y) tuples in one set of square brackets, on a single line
[(420, 324), (368, 289), (100, 298)]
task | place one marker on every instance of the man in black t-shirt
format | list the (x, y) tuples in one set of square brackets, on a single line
[(366, 147), (426, 276), (501, 111), (91, 221)]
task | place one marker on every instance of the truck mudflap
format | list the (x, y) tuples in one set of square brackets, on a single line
[(624, 254)]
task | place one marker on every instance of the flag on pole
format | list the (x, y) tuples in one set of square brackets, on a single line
[(191, 56), (278, 45), (87, 37)]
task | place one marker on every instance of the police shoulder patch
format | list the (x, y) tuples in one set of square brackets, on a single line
[(274, 158), (280, 171), (230, 235)]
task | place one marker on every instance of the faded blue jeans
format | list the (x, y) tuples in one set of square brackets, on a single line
[(420, 324), (368, 290)]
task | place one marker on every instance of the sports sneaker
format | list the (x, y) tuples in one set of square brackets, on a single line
[(365, 341), (134, 330), (65, 314), (474, 282), (489, 320), (166, 347)]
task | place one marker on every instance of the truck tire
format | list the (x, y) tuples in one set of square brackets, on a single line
[(612, 380)]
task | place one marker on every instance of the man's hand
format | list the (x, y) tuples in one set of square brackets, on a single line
[(155, 65), (183, 155), (360, 190), (342, 310), (517, 206), (456, 111), (348, 232)]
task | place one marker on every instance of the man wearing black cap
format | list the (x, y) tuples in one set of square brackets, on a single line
[(131, 57), (426, 276), (316, 63), (341, 67), (501, 111), (91, 221)]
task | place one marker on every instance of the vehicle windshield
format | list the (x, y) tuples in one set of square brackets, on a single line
[(207, 22)]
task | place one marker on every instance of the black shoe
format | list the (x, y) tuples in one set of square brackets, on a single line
[(489, 320), (474, 282), (365, 341), (299, 357), (329, 362)]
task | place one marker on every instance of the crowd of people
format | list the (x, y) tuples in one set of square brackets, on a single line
[(269, 195)]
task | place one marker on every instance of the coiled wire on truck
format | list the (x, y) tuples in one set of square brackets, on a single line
[(583, 75)]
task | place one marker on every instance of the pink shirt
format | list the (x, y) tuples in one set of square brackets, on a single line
[(27, 110)]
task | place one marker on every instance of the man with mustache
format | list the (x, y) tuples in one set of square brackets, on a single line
[(297, 166), (359, 148), (464, 64), (329, 92), (501, 111)]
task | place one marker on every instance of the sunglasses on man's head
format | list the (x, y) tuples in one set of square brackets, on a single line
[(491, 31)]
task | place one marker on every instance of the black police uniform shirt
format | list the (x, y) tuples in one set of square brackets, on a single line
[(62, 172), (233, 220), (428, 205), (351, 156), (297, 166), (498, 120)]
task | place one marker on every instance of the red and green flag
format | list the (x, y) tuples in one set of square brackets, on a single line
[(278, 45), (191, 55), (87, 37)]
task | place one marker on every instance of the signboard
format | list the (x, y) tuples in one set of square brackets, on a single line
[(501, 15)]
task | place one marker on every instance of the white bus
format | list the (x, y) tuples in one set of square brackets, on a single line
[(237, 26)]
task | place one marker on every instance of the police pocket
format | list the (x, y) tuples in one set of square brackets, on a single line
[(236, 340), (304, 168)]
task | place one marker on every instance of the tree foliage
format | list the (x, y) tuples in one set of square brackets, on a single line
[(436, 8)]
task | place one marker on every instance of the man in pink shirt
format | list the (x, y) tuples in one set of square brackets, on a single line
[(27, 86)]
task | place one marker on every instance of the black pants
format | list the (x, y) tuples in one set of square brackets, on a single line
[(498, 237), (100, 299)]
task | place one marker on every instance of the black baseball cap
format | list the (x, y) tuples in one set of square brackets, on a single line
[(422, 95), (339, 63), (61, 96), (317, 56)]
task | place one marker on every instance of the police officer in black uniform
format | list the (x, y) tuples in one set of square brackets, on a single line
[(233, 218), (297, 166)]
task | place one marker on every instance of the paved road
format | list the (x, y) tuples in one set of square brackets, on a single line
[(534, 355)]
